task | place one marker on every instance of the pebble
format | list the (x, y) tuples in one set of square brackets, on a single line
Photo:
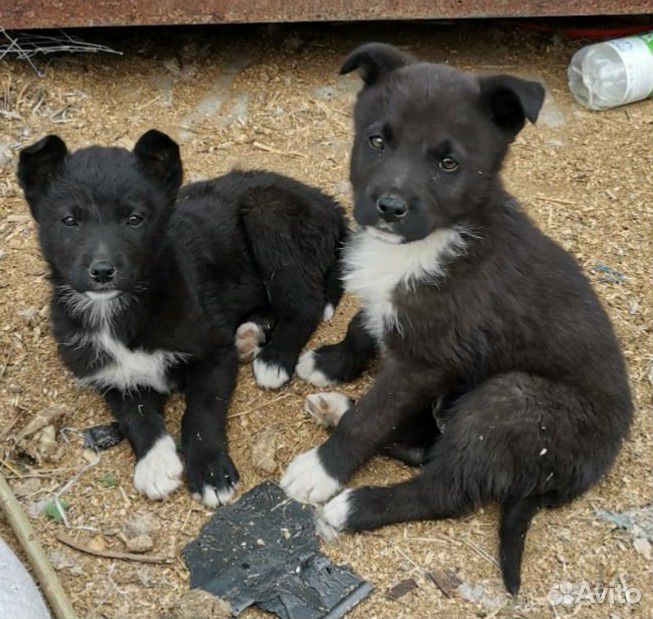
[(139, 544)]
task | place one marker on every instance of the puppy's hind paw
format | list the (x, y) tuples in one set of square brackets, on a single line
[(327, 408), (249, 337)]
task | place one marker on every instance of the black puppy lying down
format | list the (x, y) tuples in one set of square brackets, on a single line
[(148, 295), (501, 374)]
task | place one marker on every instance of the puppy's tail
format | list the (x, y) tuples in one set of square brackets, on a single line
[(333, 282), (516, 516)]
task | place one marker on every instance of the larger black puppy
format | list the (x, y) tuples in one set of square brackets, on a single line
[(147, 296), (488, 325)]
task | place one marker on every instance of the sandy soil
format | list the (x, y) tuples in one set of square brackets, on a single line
[(271, 97)]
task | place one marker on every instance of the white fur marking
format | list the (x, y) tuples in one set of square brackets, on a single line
[(131, 368), (105, 295), (158, 472), (269, 376), (332, 518), (327, 408), (328, 312), (375, 268), (305, 479), (212, 497), (305, 369)]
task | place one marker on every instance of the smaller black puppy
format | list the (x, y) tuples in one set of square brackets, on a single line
[(502, 374), (148, 294)]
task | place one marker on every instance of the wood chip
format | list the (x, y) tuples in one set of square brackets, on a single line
[(401, 588)]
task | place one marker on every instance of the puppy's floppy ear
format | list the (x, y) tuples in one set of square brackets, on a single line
[(159, 157), (37, 166), (374, 61), (511, 100)]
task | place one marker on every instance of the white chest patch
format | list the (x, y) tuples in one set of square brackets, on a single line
[(374, 268), (131, 368), (127, 369)]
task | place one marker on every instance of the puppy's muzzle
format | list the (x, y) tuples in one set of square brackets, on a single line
[(391, 207)]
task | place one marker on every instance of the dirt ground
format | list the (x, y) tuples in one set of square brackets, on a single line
[(271, 98)]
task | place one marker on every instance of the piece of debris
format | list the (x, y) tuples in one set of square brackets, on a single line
[(608, 274), (97, 543), (139, 524), (263, 452), (448, 581), (102, 437), (62, 560), (139, 544), (401, 588), (643, 546), (197, 603), (634, 520), (285, 575), (45, 417), (489, 594), (42, 446)]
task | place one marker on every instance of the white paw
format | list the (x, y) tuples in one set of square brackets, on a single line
[(212, 497), (305, 479), (327, 408), (158, 472), (248, 337), (269, 376), (329, 310), (332, 518), (305, 369)]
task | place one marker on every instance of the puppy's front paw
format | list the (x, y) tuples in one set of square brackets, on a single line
[(212, 478), (332, 518), (307, 370), (269, 375), (249, 337), (158, 472), (327, 407), (307, 481)]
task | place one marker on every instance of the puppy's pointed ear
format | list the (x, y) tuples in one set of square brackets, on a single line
[(37, 166), (511, 100), (374, 61), (159, 157)]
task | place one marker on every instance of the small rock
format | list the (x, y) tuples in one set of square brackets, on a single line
[(27, 487), (97, 543), (61, 560), (145, 576), (139, 524), (197, 603), (643, 546), (29, 314), (489, 594), (263, 452), (5, 155), (42, 446), (139, 544)]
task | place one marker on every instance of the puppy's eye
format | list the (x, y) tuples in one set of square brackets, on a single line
[(448, 164), (134, 221), (69, 221), (377, 143)]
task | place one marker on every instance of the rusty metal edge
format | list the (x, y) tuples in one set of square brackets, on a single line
[(35, 14)]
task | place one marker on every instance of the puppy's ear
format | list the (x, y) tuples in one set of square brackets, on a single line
[(37, 166), (159, 157), (511, 100), (374, 61)]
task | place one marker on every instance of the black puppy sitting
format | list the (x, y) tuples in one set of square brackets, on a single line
[(147, 294), (501, 372)]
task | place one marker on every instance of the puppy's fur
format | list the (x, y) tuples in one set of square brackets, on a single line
[(502, 374), (147, 294)]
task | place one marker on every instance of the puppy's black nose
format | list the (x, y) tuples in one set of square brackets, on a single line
[(391, 207), (102, 271)]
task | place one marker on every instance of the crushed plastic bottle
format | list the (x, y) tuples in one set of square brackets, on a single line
[(612, 73)]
